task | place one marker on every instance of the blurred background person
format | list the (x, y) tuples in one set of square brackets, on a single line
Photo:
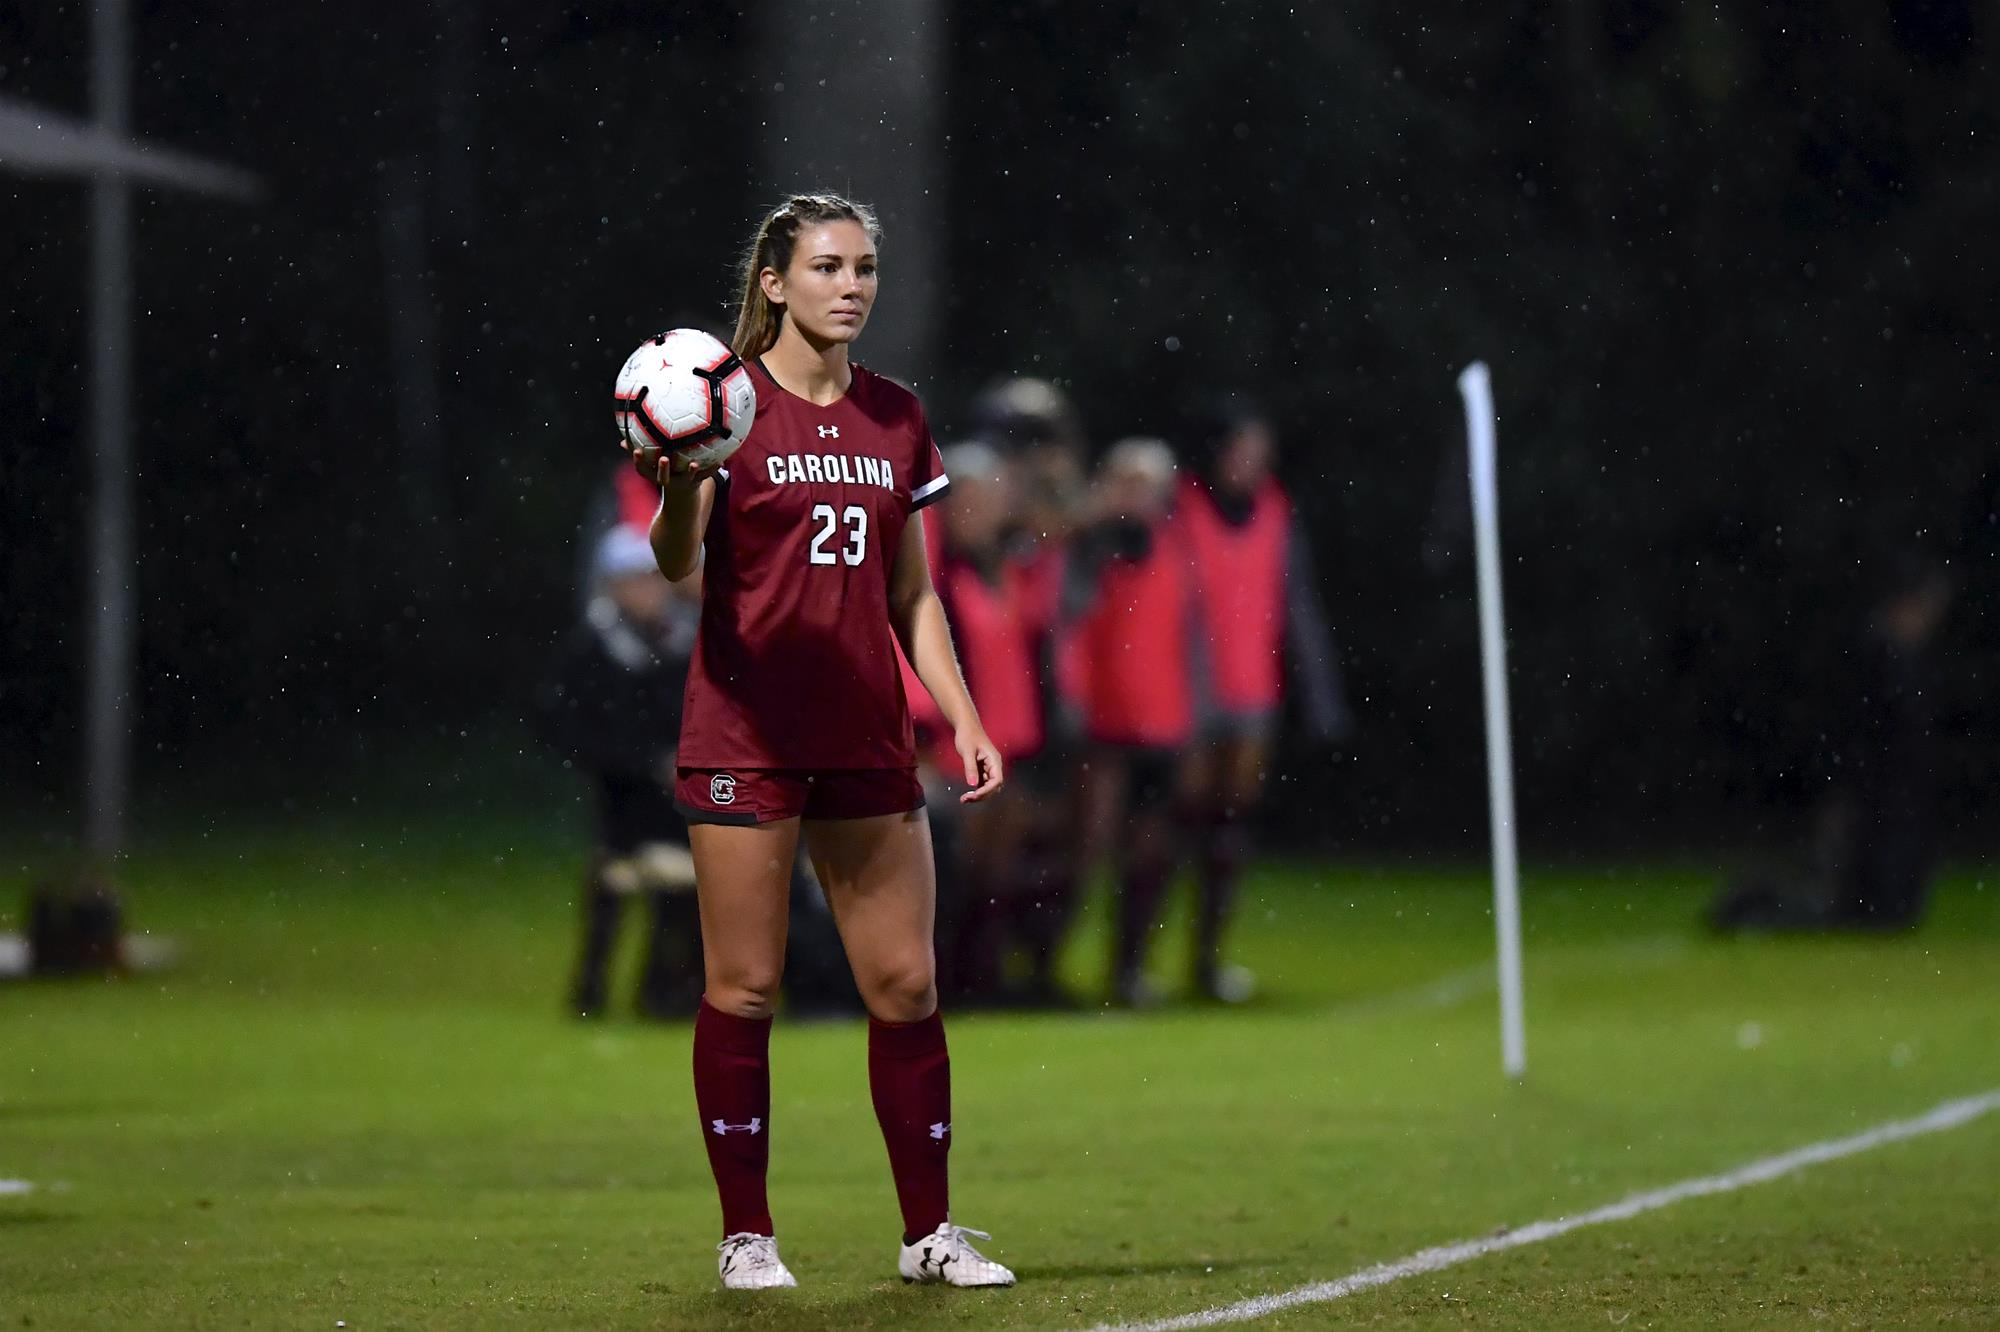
[(1128, 598), (1034, 423), (985, 578), (1035, 426), (1875, 838), (1257, 610), (614, 710), (1891, 819)]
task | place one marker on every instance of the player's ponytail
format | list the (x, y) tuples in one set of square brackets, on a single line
[(757, 318)]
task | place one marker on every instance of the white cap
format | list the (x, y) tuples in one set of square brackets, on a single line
[(1147, 457), (973, 460)]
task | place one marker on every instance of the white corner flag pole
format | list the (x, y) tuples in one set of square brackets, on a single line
[(1476, 387)]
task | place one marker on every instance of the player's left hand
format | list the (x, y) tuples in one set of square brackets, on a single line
[(983, 772)]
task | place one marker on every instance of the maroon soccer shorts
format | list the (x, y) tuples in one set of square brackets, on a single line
[(749, 796)]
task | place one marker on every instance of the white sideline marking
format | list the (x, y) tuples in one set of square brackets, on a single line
[(1947, 1115), (10, 1188)]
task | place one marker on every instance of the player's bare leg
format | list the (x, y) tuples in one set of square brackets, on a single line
[(1145, 862), (743, 878), (1105, 781), (992, 833), (881, 881), (1231, 786), (1139, 842), (1046, 872), (602, 907)]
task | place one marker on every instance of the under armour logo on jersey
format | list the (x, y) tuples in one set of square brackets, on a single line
[(723, 1128), (939, 1130), (829, 432), (722, 790)]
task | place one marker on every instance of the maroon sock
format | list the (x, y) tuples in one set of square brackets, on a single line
[(909, 1072), (732, 1089)]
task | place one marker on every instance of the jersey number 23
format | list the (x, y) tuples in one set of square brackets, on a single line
[(855, 548)]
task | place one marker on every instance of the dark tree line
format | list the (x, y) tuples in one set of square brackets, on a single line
[(1728, 265)]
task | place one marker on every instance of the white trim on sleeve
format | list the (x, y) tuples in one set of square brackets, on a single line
[(928, 489)]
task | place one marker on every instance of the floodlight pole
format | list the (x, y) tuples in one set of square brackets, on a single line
[(886, 148), (113, 607), (37, 141), (1476, 388)]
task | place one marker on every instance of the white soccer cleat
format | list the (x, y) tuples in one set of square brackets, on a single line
[(751, 1262), (947, 1255)]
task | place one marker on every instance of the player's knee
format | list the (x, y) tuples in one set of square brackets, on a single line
[(905, 992), (750, 992)]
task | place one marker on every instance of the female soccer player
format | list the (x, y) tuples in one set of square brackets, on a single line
[(796, 720)]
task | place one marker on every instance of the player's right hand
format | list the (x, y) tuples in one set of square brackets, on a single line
[(663, 469), (679, 474), (647, 460)]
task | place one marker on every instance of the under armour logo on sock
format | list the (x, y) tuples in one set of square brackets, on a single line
[(723, 1128), (939, 1130)]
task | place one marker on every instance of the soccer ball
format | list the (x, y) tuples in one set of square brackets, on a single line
[(687, 393)]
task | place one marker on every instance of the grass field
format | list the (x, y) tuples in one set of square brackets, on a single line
[(356, 1100)]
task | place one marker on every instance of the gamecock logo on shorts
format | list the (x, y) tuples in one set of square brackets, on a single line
[(722, 789)]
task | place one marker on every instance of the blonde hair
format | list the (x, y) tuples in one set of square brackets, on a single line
[(757, 318)]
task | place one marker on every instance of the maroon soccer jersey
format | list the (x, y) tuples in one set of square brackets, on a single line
[(795, 665)]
